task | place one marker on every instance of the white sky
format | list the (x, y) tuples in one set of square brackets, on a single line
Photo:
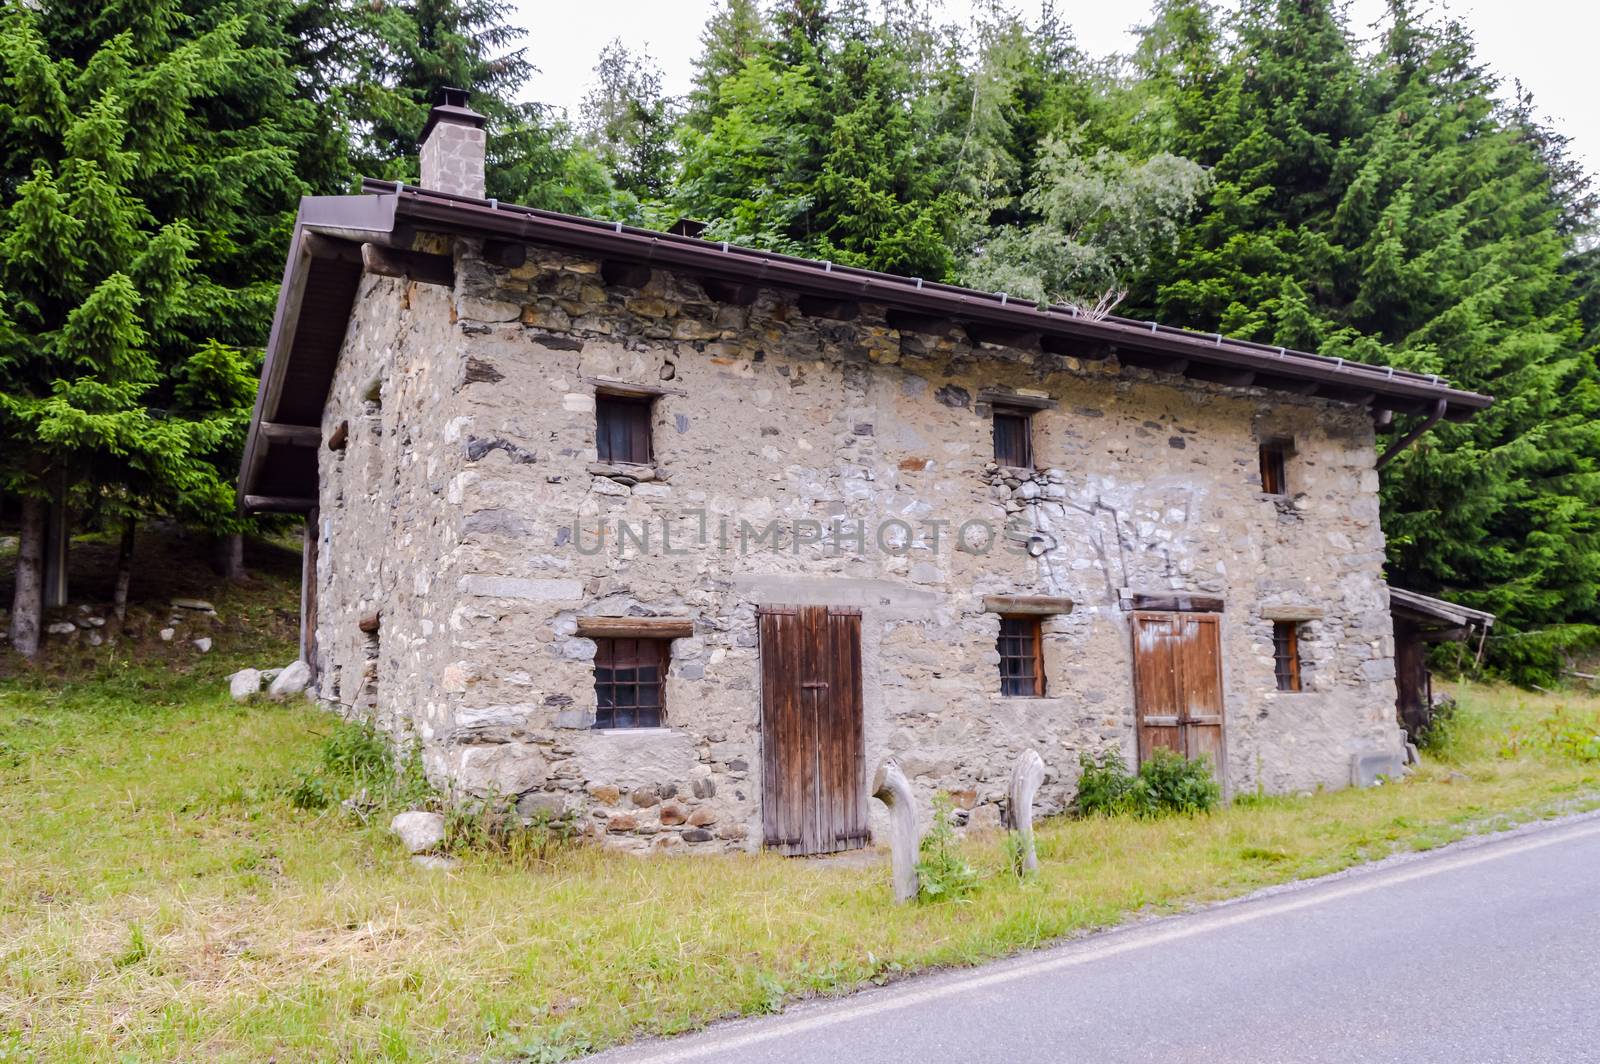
[(1548, 44)]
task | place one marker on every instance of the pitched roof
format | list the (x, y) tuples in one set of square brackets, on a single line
[(1426, 610), (325, 265)]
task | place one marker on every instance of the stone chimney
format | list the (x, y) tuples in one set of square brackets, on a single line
[(453, 146)]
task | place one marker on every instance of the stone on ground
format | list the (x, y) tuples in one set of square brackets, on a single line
[(244, 683), (203, 644), (291, 681), (419, 830), (434, 861), (193, 604)]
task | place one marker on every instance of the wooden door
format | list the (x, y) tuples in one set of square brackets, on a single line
[(1177, 684), (1411, 681), (813, 760)]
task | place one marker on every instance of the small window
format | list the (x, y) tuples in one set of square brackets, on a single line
[(1273, 454), (1021, 657), (630, 682), (1013, 438), (622, 428), (1286, 654)]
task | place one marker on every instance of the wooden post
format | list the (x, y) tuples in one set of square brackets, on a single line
[(1025, 780), (308, 592), (889, 786)]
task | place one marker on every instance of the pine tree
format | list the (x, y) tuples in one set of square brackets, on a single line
[(817, 146), (734, 34), (149, 161), (380, 66), (627, 122), (1390, 210)]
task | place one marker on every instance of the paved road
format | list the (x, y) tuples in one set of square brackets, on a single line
[(1484, 951)]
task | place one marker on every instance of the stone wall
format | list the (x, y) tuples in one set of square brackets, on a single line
[(473, 527), (389, 518)]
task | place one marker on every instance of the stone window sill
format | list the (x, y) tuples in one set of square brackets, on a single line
[(627, 473)]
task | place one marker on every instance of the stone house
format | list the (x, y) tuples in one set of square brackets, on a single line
[(684, 538)]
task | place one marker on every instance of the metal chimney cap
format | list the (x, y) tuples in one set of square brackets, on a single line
[(450, 105)]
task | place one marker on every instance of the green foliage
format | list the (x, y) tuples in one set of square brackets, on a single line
[(356, 761), (1398, 209), (1166, 784), (1102, 219), (496, 828), (942, 873), (150, 159), (1561, 732), (1171, 783), (1442, 735)]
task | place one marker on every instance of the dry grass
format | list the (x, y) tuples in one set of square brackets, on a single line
[(160, 899)]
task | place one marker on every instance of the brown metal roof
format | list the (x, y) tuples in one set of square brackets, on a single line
[(318, 291)]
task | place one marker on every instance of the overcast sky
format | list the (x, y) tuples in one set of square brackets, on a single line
[(1548, 44)]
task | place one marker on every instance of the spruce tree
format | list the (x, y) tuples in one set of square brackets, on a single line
[(149, 168)]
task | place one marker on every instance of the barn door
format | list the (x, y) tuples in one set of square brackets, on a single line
[(1177, 684), (813, 796)]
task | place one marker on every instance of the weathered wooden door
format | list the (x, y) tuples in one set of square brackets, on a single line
[(813, 794), (1177, 683)]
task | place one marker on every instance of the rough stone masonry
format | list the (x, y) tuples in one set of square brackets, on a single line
[(465, 513)]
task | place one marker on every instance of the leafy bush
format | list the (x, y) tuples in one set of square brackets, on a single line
[(1560, 733), (1165, 784), (1443, 732), (941, 872), (1172, 783), (1105, 786), (356, 761)]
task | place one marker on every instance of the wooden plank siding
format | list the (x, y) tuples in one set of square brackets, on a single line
[(813, 753)]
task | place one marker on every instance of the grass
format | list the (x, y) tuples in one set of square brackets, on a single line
[(161, 898)]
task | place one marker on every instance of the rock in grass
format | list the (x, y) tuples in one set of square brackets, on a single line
[(193, 604), (167, 634), (434, 861), (244, 683), (62, 628), (203, 644), (291, 681), (419, 830)]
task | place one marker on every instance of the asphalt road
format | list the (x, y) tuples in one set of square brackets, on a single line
[(1483, 951)]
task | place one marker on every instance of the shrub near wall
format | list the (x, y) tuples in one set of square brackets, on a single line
[(1165, 784)]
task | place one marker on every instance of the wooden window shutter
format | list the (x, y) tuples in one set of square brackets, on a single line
[(1013, 438), (622, 428), (1273, 475), (1286, 654)]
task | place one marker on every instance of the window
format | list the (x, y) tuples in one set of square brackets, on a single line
[(1021, 657), (622, 428), (1286, 654), (630, 682), (1273, 453), (1013, 438)]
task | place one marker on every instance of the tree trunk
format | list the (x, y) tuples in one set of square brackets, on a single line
[(119, 597), (227, 558), (27, 602)]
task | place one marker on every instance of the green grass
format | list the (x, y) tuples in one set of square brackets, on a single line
[(161, 898)]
